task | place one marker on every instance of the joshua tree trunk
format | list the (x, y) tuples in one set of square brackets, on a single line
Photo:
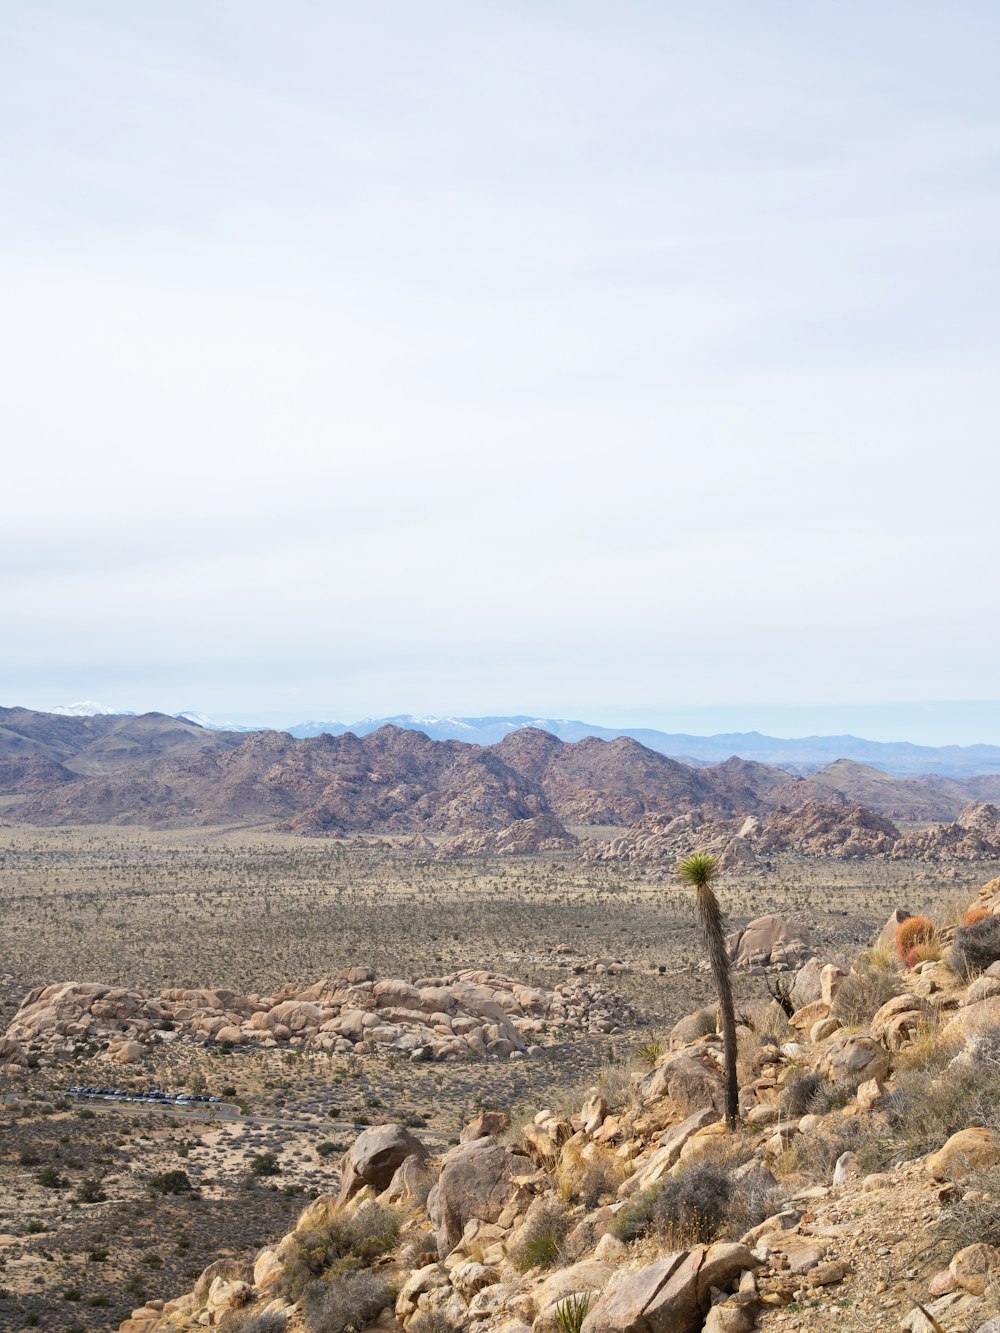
[(699, 871)]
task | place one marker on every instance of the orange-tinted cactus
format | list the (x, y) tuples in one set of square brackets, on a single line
[(973, 915), (913, 931)]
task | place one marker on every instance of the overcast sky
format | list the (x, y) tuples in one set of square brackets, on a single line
[(627, 361)]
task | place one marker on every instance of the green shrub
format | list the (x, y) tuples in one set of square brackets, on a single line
[(571, 1313), (50, 1179), (90, 1191), (339, 1247), (171, 1182), (265, 1164), (539, 1241)]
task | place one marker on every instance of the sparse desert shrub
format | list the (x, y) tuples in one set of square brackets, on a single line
[(974, 1215), (873, 982), (265, 1164), (698, 1205), (90, 1191), (601, 1175), (339, 1247), (913, 931), (348, 1303), (649, 1053), (798, 1092), (171, 1182), (927, 1106), (539, 1242), (929, 951), (374, 1229), (976, 946), (431, 1321), (239, 1321), (50, 1179)]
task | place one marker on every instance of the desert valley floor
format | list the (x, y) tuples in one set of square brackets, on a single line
[(253, 910)]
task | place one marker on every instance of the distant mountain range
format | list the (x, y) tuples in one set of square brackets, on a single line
[(798, 755), (530, 790)]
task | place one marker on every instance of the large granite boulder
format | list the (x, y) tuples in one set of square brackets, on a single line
[(476, 1181), (375, 1156)]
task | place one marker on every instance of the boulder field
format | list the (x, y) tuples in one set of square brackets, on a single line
[(474, 1013)]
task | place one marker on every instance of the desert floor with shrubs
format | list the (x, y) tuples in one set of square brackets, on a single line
[(253, 910)]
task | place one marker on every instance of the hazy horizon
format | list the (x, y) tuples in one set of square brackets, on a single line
[(932, 723)]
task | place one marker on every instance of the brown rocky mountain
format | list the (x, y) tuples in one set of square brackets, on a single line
[(396, 780), (389, 781), (818, 829), (516, 796), (975, 834), (912, 800), (28, 773), (104, 744), (603, 782)]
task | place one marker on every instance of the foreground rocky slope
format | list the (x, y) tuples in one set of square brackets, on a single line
[(863, 1184)]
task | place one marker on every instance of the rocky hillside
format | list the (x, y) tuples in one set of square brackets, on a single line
[(908, 800), (98, 745), (838, 830), (400, 781), (861, 1182), (516, 797)]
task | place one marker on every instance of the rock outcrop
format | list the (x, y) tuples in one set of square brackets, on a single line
[(770, 942), (461, 1015)]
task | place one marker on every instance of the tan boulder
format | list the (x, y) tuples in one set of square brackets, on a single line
[(826, 1027), (487, 1125), (667, 1152), (126, 1052), (831, 979), (587, 1277), (477, 1180), (972, 1018), (12, 1055), (593, 1114), (375, 1156), (966, 1151), (855, 1057), (971, 1267), (691, 1078), (806, 1017), (670, 1296), (886, 941)]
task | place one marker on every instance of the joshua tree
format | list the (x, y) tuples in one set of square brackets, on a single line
[(699, 870)]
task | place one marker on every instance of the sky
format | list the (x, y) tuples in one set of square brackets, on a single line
[(629, 361)]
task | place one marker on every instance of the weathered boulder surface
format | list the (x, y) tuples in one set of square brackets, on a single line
[(669, 1296), (965, 1151), (464, 1015), (477, 1179), (375, 1156), (770, 941)]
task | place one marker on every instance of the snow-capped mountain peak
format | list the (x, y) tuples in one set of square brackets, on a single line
[(87, 708)]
